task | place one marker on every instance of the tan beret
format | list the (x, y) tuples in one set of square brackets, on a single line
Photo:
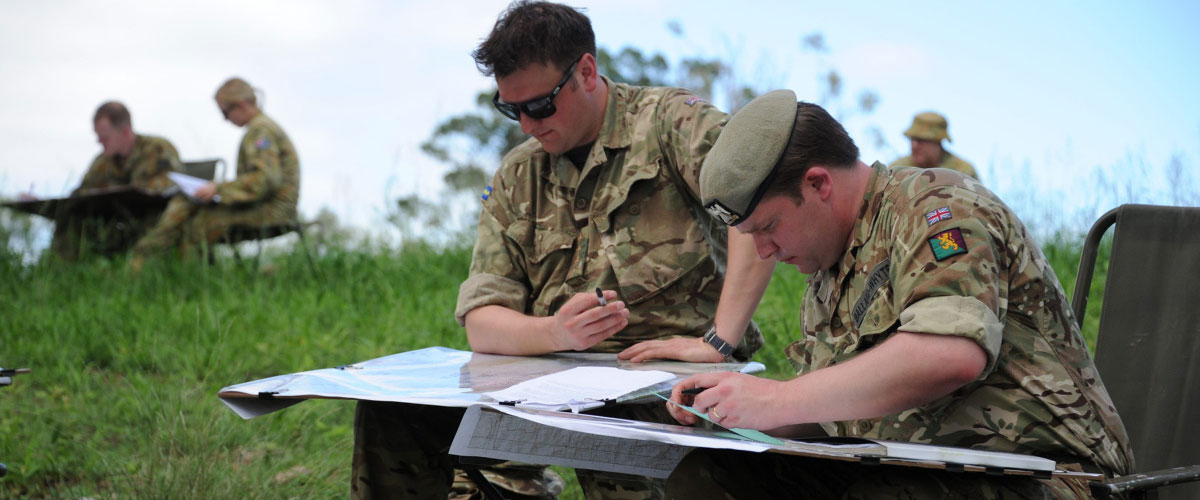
[(929, 126), (743, 160)]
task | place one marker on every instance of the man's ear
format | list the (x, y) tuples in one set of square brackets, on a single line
[(587, 70), (820, 181)]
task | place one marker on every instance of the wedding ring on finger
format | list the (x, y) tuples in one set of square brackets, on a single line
[(713, 411)]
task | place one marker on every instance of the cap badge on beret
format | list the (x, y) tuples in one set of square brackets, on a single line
[(722, 213)]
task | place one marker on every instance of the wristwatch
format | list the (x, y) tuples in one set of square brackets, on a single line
[(721, 346)]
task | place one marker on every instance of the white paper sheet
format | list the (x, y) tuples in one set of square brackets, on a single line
[(438, 376), (579, 388), (189, 185), (680, 435)]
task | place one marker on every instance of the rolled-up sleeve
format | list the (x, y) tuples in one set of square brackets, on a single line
[(497, 276), (957, 316), (950, 275)]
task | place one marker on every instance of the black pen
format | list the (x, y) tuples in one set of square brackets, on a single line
[(600, 295), (694, 391)]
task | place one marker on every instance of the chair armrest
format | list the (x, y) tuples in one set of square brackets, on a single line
[(1145, 481)]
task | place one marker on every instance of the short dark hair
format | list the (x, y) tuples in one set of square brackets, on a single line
[(535, 32), (115, 112), (817, 139)]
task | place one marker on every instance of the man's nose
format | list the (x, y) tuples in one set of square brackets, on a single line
[(764, 247), (528, 125)]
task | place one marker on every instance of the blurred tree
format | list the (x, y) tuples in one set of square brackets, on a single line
[(831, 86), (472, 144), (329, 232)]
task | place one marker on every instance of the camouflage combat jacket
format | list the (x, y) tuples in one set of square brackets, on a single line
[(146, 166), (268, 172), (629, 220), (949, 160), (935, 252)]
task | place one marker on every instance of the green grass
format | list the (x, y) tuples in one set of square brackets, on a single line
[(122, 399)]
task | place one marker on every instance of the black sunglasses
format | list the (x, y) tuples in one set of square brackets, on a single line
[(541, 107)]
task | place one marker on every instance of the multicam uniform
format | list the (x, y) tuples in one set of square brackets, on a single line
[(628, 220), (145, 168), (264, 193), (934, 252), (949, 160)]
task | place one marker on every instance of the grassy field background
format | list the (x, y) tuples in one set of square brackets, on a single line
[(122, 399)]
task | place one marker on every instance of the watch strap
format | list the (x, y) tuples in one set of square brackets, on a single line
[(720, 345)]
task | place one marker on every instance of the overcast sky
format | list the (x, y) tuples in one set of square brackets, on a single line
[(1037, 93)]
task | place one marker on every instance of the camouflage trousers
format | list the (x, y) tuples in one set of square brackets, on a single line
[(402, 451), (190, 227), (726, 474)]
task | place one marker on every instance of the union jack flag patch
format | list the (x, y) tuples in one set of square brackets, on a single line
[(938, 215)]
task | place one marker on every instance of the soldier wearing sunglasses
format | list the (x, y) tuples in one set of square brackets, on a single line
[(604, 195)]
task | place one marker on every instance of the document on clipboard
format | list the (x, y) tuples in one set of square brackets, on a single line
[(579, 388), (188, 185)]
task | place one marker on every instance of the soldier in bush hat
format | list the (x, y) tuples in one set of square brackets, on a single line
[(925, 135), (930, 316)]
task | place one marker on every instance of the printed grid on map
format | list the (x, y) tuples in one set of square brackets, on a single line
[(504, 437)]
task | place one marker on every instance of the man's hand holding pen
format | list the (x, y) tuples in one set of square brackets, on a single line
[(731, 399), (588, 318)]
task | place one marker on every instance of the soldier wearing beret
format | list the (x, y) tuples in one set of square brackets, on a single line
[(265, 192), (931, 316), (604, 195), (925, 136), (128, 159)]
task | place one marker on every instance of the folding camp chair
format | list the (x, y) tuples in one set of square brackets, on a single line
[(207, 169), (238, 234), (204, 169), (1148, 344)]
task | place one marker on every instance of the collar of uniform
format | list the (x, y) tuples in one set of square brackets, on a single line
[(872, 199), (821, 285), (614, 134), (139, 143), (614, 131), (864, 225), (259, 118)]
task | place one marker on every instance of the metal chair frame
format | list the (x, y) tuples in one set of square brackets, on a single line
[(1142, 362)]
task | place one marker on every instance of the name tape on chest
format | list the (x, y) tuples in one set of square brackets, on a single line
[(879, 276)]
